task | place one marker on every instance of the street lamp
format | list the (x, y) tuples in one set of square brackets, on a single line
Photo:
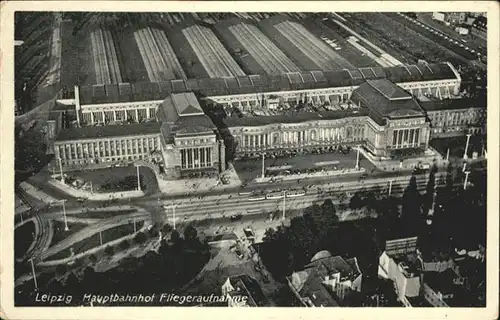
[(390, 187), (138, 178), (173, 214), (466, 177), (66, 228), (61, 170), (357, 157), (263, 165), (34, 274), (284, 203), (467, 145)]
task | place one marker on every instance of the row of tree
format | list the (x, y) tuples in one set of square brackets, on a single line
[(176, 263)]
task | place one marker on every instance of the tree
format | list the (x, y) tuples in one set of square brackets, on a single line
[(190, 233), (109, 250), (166, 229), (357, 201), (140, 237), (92, 259), (61, 269), (124, 245), (429, 192), (175, 237)]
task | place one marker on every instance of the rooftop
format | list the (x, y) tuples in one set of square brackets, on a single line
[(99, 132), (256, 52), (248, 287), (451, 104), (386, 98), (309, 282), (441, 281), (251, 84), (292, 117), (181, 114), (308, 51)]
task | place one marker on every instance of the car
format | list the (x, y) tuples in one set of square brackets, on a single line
[(81, 200), (236, 217), (250, 235), (239, 254)]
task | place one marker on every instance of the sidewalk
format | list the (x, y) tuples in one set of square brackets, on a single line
[(311, 175), (193, 186), (37, 194), (431, 157), (79, 193)]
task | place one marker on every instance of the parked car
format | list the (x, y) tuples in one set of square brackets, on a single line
[(236, 217), (249, 234)]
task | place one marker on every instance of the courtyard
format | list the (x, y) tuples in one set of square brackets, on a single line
[(249, 169), (116, 179)]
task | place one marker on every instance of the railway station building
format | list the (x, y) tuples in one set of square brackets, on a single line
[(383, 109)]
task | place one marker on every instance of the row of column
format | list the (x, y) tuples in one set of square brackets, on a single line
[(298, 137), (193, 158), (406, 138), (246, 104), (118, 115), (106, 148)]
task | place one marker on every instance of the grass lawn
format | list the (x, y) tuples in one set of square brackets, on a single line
[(23, 237), (457, 145), (94, 241), (59, 232), (103, 214), (113, 179)]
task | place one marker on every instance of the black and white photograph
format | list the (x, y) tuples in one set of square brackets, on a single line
[(250, 159)]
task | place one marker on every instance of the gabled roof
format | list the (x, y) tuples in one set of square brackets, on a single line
[(186, 104), (244, 285), (309, 282), (388, 89), (385, 99)]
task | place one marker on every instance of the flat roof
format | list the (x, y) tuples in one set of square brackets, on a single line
[(254, 84), (451, 104), (292, 117), (100, 132), (386, 98)]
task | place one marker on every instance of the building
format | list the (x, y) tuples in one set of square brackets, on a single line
[(301, 110), (479, 27), (456, 117), (395, 121), (380, 115), (462, 29), (117, 103), (253, 50), (440, 288), (183, 141), (201, 53), (450, 17), (190, 143), (327, 281), (400, 262), (243, 291), (304, 48), (439, 16), (83, 147)]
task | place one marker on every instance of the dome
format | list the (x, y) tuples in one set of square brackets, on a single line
[(321, 255)]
